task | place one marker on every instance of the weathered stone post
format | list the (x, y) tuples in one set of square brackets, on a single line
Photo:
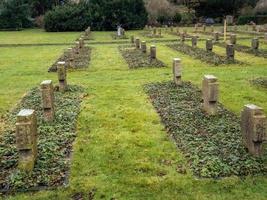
[(159, 32), (233, 38), (70, 53), (77, 47), (81, 43), (26, 139), (216, 36), (177, 71), (153, 52), (143, 46), (255, 44), (62, 76), (230, 52), (154, 31), (171, 28), (212, 28), (209, 45), (194, 41), (47, 90), (253, 128), (196, 28), (132, 39), (204, 28), (137, 43), (210, 93), (182, 37)]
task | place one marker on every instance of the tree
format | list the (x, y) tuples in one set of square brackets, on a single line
[(261, 6), (14, 14)]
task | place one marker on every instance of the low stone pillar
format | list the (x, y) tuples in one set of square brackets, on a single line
[(81, 43), (216, 36), (233, 38), (253, 128), (209, 45), (153, 52), (159, 31), (77, 47), (143, 46), (26, 139), (137, 43), (255, 44), (212, 29), (204, 28), (62, 76), (210, 92), (182, 37), (196, 28), (47, 90), (70, 53), (194, 41), (132, 39), (177, 71), (171, 28), (230, 52), (154, 31)]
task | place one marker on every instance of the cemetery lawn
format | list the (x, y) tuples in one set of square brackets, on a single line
[(122, 150)]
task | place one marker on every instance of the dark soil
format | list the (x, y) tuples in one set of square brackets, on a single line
[(260, 82), (54, 143), (136, 59), (81, 60), (201, 54), (212, 144)]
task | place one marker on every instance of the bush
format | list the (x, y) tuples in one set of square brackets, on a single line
[(14, 14), (177, 18), (244, 19), (99, 14), (187, 18), (69, 17)]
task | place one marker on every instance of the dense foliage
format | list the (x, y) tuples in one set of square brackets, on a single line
[(14, 14), (99, 14)]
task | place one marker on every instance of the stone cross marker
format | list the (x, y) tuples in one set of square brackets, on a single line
[(47, 90), (253, 128), (143, 46), (194, 41), (230, 52), (62, 76), (153, 52), (177, 71), (233, 38), (209, 45), (137, 43), (26, 139), (210, 92)]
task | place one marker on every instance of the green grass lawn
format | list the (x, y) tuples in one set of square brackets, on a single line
[(122, 150)]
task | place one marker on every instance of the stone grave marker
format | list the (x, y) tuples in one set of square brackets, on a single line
[(137, 43), (143, 46), (177, 71), (26, 139), (209, 45), (47, 90), (153, 52), (210, 93), (230, 52), (62, 76), (233, 38), (194, 41), (253, 128)]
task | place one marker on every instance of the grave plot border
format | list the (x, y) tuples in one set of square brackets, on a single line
[(212, 145), (259, 82), (201, 54), (55, 140), (136, 59), (80, 61)]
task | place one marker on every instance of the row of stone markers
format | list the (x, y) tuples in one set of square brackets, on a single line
[(253, 120), (76, 57), (26, 126), (142, 45)]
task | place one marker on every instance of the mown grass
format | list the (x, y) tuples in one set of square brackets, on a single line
[(122, 150)]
